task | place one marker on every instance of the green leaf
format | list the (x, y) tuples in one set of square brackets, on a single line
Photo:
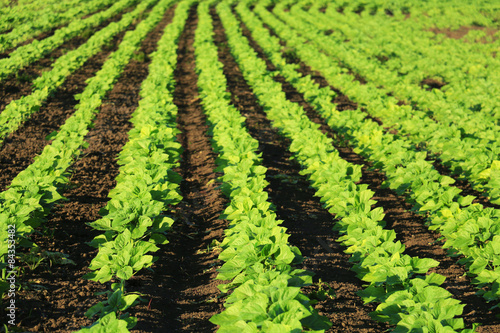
[(94, 310), (316, 322), (123, 239), (466, 201), (422, 265), (125, 273), (128, 301), (435, 279)]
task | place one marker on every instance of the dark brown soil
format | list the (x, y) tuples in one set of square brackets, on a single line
[(430, 83), (464, 30)]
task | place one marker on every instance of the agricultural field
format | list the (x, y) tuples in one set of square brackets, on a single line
[(250, 166)]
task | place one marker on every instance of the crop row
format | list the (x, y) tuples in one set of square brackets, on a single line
[(265, 287), (133, 220)]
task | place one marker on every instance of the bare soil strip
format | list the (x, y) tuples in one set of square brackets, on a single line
[(182, 291), (309, 224), (65, 297), (410, 227), (464, 30), (20, 148)]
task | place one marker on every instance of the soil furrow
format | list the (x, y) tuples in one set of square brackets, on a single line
[(309, 224), (182, 291), (20, 84), (20, 148), (68, 296), (410, 227)]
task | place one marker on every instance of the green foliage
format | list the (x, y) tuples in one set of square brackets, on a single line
[(32, 21), (109, 324)]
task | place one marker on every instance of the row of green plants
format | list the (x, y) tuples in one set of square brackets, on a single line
[(470, 155), (13, 16), (135, 220), (46, 85), (264, 285), (35, 190), (29, 53), (470, 230), (409, 299), (48, 20)]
